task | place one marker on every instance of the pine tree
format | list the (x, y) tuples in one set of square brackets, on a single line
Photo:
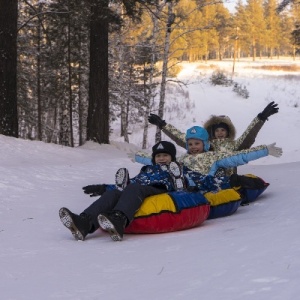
[(273, 35)]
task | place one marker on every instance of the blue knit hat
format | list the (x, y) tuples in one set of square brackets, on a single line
[(198, 133)]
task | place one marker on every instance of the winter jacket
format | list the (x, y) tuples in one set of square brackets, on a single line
[(207, 163), (150, 175), (210, 162), (245, 141), (205, 183), (154, 175), (227, 145)]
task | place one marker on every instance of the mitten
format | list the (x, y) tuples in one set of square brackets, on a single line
[(270, 109), (156, 120), (274, 151), (95, 189)]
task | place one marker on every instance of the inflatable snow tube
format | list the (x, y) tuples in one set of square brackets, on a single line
[(223, 203), (226, 202), (170, 212), (250, 195)]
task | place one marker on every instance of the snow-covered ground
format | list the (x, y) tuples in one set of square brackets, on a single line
[(253, 254)]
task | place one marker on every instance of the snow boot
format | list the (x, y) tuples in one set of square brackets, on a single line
[(114, 223), (79, 225), (175, 171), (122, 179)]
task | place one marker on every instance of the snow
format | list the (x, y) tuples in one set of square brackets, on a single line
[(253, 254)]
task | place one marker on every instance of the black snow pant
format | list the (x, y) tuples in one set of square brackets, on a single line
[(127, 201)]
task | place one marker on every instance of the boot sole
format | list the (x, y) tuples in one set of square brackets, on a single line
[(67, 221), (122, 178), (108, 226), (176, 174)]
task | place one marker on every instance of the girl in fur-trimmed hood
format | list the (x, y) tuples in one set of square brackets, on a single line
[(221, 123), (221, 130)]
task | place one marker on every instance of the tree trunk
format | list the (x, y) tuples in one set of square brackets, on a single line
[(38, 71), (70, 82), (164, 72), (8, 67), (150, 95), (253, 50), (98, 113)]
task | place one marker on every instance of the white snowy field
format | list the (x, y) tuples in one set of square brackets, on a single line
[(251, 255)]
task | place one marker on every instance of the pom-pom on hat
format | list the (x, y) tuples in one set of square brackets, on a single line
[(198, 133), (164, 147)]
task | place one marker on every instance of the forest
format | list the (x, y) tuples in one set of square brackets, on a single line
[(70, 68)]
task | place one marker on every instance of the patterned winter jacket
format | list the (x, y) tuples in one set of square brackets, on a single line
[(207, 163), (245, 141), (205, 183), (230, 144), (154, 175), (160, 177)]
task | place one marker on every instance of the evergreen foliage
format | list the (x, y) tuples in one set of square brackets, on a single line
[(74, 77), (218, 77), (241, 90)]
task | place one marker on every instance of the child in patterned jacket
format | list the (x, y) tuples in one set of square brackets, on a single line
[(199, 159), (221, 132)]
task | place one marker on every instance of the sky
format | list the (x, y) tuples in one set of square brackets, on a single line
[(250, 255), (230, 5)]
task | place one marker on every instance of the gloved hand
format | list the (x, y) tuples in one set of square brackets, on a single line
[(274, 151), (156, 120), (270, 109), (94, 189)]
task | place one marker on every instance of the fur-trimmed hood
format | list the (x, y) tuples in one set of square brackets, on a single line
[(215, 120)]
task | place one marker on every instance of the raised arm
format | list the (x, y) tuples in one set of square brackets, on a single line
[(169, 130), (247, 139), (143, 158), (244, 156)]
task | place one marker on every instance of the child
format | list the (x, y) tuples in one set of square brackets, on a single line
[(199, 159), (222, 131), (221, 128), (115, 209)]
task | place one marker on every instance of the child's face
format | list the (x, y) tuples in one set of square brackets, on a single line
[(162, 158), (195, 146), (221, 133)]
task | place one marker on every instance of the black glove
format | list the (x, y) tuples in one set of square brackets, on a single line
[(95, 189), (269, 110), (156, 120)]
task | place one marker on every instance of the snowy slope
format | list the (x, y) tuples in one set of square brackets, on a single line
[(253, 254)]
